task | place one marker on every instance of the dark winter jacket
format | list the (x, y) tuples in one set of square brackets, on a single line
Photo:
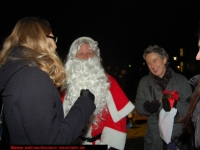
[(33, 108), (196, 113), (196, 122)]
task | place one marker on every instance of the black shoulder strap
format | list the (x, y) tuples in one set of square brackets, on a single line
[(153, 96)]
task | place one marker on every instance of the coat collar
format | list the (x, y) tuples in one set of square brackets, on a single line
[(171, 82)]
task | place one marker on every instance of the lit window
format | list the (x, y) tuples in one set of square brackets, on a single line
[(181, 52), (181, 68)]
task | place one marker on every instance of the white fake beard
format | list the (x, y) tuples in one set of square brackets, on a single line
[(86, 74)]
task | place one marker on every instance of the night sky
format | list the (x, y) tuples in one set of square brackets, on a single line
[(123, 28)]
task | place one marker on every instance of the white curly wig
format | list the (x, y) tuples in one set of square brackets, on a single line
[(75, 47), (85, 74)]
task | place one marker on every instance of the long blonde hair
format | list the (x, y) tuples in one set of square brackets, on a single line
[(30, 35)]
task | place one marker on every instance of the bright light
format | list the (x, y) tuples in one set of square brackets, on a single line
[(129, 66), (175, 58), (178, 67)]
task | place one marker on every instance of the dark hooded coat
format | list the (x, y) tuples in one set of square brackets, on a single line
[(33, 108)]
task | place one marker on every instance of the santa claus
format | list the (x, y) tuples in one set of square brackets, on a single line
[(107, 125)]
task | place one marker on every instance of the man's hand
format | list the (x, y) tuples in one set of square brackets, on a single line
[(87, 93), (165, 104), (151, 106), (171, 146)]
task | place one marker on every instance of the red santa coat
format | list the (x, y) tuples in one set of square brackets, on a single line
[(113, 126)]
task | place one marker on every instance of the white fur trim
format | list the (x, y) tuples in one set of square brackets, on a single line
[(118, 115), (113, 138)]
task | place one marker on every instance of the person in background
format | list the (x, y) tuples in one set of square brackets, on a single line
[(123, 80), (107, 125), (193, 116), (30, 73), (149, 100)]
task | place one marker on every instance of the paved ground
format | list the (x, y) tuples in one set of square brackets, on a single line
[(135, 135)]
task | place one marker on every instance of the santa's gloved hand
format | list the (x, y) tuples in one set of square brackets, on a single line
[(171, 146), (165, 104), (151, 106), (88, 94)]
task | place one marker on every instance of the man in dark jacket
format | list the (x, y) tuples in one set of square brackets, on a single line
[(149, 100)]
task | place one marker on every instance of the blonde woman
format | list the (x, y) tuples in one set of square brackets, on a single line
[(30, 74)]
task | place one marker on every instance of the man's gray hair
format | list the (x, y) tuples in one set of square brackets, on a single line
[(156, 49)]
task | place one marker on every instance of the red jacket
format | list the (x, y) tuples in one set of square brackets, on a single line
[(113, 127)]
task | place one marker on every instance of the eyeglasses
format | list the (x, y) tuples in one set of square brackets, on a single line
[(52, 37)]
